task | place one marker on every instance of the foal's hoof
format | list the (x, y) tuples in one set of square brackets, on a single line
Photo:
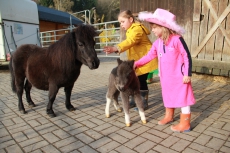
[(23, 111), (144, 121), (128, 124), (119, 110), (146, 107), (107, 115)]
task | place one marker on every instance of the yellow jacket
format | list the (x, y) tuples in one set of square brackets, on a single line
[(137, 45)]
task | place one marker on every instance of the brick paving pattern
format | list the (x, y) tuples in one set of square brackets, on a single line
[(87, 130)]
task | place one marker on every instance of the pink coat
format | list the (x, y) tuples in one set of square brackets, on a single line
[(174, 62)]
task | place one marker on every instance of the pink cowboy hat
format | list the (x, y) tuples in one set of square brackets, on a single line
[(162, 17)]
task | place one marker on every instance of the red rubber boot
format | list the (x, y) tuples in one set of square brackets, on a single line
[(184, 125), (169, 112)]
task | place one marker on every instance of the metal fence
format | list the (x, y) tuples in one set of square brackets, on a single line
[(49, 37), (109, 35)]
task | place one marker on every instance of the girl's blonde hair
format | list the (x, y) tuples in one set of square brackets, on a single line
[(166, 32), (126, 14)]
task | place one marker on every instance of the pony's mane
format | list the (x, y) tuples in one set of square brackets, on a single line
[(63, 52), (86, 31)]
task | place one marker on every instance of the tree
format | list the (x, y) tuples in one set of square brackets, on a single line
[(109, 8), (64, 5), (46, 3), (80, 5), (100, 10), (85, 5)]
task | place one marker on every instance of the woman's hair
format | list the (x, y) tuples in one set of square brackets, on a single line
[(126, 14), (166, 32)]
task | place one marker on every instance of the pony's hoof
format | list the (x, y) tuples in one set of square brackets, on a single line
[(119, 110), (107, 115), (72, 109), (23, 111), (31, 105), (144, 121), (52, 115), (128, 124)]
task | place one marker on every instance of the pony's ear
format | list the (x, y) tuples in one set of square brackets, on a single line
[(119, 61), (131, 63)]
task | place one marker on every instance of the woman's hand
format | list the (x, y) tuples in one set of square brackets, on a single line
[(186, 79), (109, 49)]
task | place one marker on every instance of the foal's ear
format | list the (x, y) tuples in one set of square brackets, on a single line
[(119, 61)]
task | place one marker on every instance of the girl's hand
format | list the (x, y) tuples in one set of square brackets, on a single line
[(186, 79), (109, 49), (134, 66)]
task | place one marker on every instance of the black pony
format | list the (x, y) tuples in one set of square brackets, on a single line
[(53, 67)]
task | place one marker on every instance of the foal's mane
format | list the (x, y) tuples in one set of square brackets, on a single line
[(63, 53)]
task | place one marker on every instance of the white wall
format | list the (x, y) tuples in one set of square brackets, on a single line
[(22, 16)]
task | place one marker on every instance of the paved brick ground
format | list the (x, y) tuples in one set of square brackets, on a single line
[(87, 130)]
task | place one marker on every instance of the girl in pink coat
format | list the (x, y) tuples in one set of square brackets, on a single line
[(174, 65)]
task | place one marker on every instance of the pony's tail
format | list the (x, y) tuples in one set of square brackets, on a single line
[(13, 86)]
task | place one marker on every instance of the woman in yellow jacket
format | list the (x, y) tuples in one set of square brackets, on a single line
[(137, 44)]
